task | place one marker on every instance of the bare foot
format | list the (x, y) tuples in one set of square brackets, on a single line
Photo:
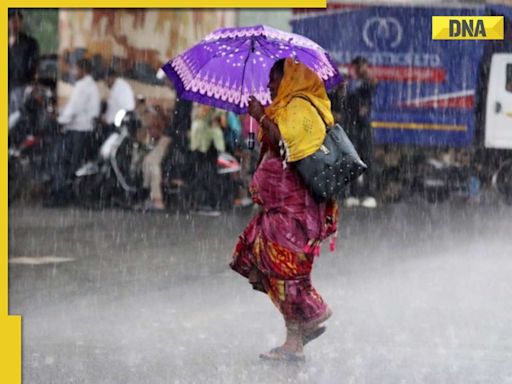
[(158, 204)]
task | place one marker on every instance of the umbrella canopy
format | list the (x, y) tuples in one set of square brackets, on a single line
[(231, 64)]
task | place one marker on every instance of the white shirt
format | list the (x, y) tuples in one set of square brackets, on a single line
[(121, 97), (83, 106)]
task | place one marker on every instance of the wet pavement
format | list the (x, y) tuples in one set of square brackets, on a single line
[(420, 294)]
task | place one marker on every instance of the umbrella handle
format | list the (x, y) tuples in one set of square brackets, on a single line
[(251, 138)]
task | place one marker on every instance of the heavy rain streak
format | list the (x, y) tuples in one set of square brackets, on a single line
[(261, 196)]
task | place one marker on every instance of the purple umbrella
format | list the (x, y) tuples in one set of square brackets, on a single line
[(231, 64)]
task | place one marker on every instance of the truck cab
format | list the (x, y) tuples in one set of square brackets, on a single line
[(498, 117)]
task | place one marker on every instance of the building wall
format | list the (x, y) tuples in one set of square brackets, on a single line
[(137, 42), (135, 39), (42, 24)]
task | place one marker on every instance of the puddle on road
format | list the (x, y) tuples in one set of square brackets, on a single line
[(37, 260)]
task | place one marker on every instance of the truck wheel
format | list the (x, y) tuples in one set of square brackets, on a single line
[(504, 181)]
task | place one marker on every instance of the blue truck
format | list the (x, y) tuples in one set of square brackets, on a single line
[(429, 91), (432, 94)]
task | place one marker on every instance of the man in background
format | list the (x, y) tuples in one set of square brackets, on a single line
[(179, 153), (206, 142), (358, 104), (152, 163), (77, 119), (121, 95), (23, 60)]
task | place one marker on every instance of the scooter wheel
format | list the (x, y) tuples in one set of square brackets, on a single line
[(504, 181)]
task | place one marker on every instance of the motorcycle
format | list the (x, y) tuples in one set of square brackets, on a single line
[(20, 166), (438, 180), (182, 194), (108, 178), (31, 131), (114, 177)]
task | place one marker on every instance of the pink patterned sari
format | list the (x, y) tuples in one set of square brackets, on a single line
[(276, 250)]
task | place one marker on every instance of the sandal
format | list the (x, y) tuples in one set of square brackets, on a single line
[(312, 335), (280, 354)]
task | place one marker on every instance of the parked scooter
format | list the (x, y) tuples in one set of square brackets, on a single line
[(31, 130)]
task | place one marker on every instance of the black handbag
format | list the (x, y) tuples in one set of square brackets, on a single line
[(328, 171)]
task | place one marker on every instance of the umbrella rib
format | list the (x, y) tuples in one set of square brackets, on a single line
[(305, 50), (251, 50), (218, 54), (267, 51)]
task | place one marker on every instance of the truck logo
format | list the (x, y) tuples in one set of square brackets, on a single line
[(382, 32)]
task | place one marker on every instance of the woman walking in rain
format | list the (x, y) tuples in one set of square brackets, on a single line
[(277, 249)]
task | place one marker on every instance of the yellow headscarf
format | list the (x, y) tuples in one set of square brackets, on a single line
[(301, 110)]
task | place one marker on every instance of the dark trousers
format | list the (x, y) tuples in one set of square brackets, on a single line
[(79, 144), (69, 153), (360, 133), (206, 186)]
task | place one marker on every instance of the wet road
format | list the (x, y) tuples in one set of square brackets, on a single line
[(420, 294)]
